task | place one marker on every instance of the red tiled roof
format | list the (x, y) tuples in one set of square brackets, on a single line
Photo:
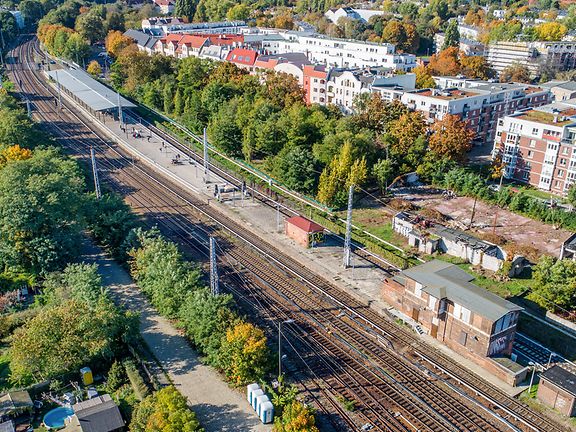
[(305, 224), (193, 41), (164, 2), (222, 39), (242, 56)]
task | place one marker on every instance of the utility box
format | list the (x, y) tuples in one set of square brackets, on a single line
[(266, 413), (87, 377), (250, 390)]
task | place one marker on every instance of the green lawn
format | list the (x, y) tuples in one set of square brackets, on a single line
[(378, 223)]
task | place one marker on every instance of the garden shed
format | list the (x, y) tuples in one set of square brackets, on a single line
[(15, 403)]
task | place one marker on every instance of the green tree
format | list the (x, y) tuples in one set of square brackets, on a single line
[(571, 196), (63, 338), (78, 282), (516, 73), (116, 377), (244, 355), (16, 127), (238, 12), (91, 27), (185, 8), (452, 35), (160, 271), (556, 283), (223, 131), (32, 11), (94, 68), (41, 212), (8, 27), (164, 411), (383, 172), (205, 318), (296, 168)]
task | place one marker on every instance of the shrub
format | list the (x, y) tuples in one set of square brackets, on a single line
[(140, 388)]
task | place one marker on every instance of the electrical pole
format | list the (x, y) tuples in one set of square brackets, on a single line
[(29, 108), (473, 212), (119, 110), (348, 238), (59, 93), (214, 286), (277, 217), (95, 172), (206, 168)]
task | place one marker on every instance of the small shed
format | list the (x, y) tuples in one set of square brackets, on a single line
[(99, 414), (15, 403), (303, 231), (558, 389)]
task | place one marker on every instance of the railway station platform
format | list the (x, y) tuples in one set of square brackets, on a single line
[(363, 280)]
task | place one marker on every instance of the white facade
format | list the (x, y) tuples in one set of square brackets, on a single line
[(561, 55), (165, 26), (348, 12)]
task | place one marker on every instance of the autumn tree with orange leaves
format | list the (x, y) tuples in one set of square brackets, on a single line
[(116, 42), (451, 138)]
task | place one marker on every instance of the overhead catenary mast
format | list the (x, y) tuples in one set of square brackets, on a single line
[(214, 283), (348, 238)]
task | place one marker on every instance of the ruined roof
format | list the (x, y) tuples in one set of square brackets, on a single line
[(444, 280)]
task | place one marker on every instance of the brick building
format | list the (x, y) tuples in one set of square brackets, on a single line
[(537, 146), (558, 389), (303, 231), (442, 299)]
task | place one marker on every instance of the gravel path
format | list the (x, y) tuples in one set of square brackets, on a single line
[(218, 407)]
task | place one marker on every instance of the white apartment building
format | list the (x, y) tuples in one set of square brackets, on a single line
[(343, 53), (560, 55), (163, 26), (467, 46)]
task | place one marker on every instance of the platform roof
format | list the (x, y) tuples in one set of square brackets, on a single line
[(93, 93)]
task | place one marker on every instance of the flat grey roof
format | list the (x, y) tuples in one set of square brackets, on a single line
[(562, 378), (93, 93), (444, 280)]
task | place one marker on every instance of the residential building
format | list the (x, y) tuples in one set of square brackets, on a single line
[(479, 103), (537, 145), (561, 90), (181, 46), (533, 55), (469, 32), (442, 299), (165, 6), (467, 46), (314, 82), (164, 26), (144, 41), (557, 389), (291, 64), (430, 237), (363, 15), (243, 58)]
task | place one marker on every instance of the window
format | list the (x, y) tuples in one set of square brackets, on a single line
[(556, 184), (432, 302), (565, 150), (534, 131), (526, 175), (530, 154), (532, 143), (418, 289), (560, 173), (562, 161)]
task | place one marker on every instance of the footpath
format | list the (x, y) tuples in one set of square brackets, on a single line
[(363, 280), (217, 406)]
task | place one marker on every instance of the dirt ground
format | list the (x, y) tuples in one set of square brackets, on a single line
[(515, 228)]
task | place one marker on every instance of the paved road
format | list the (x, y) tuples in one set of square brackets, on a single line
[(218, 407)]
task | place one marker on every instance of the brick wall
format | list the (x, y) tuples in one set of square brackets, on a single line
[(557, 398)]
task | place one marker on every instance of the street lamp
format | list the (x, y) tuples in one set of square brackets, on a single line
[(288, 321)]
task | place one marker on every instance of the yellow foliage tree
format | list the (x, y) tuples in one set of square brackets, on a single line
[(551, 31), (94, 68), (14, 153), (116, 42), (406, 130), (244, 354), (423, 78), (296, 417)]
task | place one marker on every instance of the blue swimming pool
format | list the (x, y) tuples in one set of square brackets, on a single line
[(54, 419)]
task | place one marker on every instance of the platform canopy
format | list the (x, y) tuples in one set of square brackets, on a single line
[(92, 93)]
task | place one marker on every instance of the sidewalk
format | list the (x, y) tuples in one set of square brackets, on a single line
[(362, 281), (217, 406)]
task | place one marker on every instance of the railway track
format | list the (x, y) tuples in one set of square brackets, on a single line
[(360, 321)]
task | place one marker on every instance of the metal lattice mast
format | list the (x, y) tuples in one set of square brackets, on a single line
[(348, 238), (95, 172), (206, 168), (59, 91), (214, 285)]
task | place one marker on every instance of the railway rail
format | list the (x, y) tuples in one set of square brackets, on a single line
[(448, 412)]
